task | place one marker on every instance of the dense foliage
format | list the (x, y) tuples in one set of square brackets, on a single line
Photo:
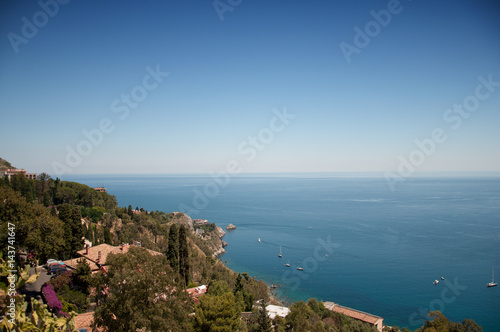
[(141, 291), (439, 323)]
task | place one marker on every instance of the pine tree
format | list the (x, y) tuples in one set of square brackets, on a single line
[(184, 266), (217, 313), (173, 247)]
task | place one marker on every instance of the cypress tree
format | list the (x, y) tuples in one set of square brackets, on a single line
[(76, 230), (183, 254), (173, 247), (263, 320)]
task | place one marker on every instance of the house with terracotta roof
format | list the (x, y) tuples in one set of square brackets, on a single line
[(376, 321), (96, 256), (197, 292)]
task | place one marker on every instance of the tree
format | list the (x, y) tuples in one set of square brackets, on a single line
[(107, 236), (243, 297), (36, 228), (73, 230), (65, 195), (299, 317), (238, 287), (263, 320), (140, 292), (439, 323), (217, 313), (183, 255), (43, 186), (173, 247), (471, 326), (81, 276)]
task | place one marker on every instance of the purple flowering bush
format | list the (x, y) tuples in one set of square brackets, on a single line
[(51, 298)]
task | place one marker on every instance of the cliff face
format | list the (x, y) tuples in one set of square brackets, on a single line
[(219, 244), (180, 218)]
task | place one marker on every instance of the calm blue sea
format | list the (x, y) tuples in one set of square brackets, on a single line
[(360, 244)]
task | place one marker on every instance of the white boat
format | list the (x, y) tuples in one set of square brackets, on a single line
[(300, 269), (442, 278), (287, 264), (492, 283), (259, 239), (436, 282), (280, 255)]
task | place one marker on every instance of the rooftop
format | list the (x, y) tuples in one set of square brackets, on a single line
[(353, 313), (103, 250), (276, 310)]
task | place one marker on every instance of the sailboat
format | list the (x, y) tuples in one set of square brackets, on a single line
[(280, 255), (492, 283), (287, 264)]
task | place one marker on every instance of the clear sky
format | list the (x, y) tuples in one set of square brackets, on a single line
[(276, 86)]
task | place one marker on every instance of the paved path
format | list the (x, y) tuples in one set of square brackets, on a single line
[(34, 290), (43, 278)]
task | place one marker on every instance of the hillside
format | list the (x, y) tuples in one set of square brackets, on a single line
[(4, 164)]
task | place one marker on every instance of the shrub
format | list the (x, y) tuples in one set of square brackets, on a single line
[(51, 298), (62, 281)]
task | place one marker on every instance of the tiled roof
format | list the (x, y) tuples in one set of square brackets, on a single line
[(197, 291), (353, 313), (84, 321), (105, 250), (71, 263)]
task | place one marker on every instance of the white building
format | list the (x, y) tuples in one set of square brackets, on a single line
[(276, 310)]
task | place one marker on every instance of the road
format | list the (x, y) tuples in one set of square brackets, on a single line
[(34, 290)]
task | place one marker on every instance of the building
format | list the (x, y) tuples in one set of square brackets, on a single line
[(96, 256), (197, 292), (12, 171), (200, 222), (100, 189), (276, 310), (376, 321)]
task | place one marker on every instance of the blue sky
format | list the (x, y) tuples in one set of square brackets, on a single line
[(227, 80)]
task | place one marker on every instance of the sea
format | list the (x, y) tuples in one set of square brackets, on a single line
[(361, 243)]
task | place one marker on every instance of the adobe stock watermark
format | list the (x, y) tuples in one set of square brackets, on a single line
[(372, 29), (120, 106), (454, 117), (30, 28), (249, 148), (447, 296), (294, 277), (223, 6)]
